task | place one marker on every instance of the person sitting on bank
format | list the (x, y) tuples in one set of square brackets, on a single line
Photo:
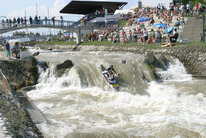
[(174, 36), (16, 50)]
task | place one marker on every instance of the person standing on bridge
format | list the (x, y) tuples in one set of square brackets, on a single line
[(25, 20), (45, 18), (61, 18), (53, 20), (30, 20)]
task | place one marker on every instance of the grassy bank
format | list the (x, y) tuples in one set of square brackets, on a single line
[(133, 44), (59, 43)]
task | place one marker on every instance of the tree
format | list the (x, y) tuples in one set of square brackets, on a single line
[(193, 1)]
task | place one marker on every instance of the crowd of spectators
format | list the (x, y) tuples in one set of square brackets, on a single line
[(172, 17), (89, 17)]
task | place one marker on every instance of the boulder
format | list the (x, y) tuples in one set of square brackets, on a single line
[(148, 72), (36, 54), (44, 65), (150, 57), (61, 68)]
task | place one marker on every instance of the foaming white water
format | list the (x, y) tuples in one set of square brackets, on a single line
[(93, 110), (175, 72), (74, 111)]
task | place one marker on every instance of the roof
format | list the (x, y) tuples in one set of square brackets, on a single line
[(110, 18), (87, 7)]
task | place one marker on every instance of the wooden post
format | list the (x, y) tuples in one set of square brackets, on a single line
[(78, 39), (203, 35)]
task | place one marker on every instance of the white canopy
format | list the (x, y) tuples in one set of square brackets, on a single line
[(23, 39)]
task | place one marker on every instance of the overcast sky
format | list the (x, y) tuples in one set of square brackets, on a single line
[(14, 8)]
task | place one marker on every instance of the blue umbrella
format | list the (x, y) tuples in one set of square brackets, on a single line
[(143, 19), (159, 25), (168, 30), (66, 34)]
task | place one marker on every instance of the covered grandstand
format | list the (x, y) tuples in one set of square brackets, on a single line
[(88, 7)]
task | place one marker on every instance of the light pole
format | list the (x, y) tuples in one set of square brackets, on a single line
[(36, 9)]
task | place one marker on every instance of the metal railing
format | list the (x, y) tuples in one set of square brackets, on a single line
[(37, 23), (56, 24)]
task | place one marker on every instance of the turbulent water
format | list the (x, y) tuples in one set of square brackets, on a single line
[(80, 104)]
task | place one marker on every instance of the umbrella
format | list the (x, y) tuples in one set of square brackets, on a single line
[(66, 34), (159, 25), (143, 19), (168, 30)]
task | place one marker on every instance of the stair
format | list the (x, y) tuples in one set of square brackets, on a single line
[(192, 30)]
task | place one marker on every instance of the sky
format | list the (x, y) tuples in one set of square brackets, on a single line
[(50, 8), (15, 8)]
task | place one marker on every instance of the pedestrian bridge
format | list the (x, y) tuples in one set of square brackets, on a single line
[(70, 26), (58, 24)]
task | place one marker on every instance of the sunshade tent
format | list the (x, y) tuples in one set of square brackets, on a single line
[(168, 30), (143, 19), (159, 25), (66, 34), (136, 7)]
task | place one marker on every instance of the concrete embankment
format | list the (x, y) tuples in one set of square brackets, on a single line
[(193, 57), (14, 75)]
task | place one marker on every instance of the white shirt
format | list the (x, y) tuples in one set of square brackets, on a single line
[(145, 33)]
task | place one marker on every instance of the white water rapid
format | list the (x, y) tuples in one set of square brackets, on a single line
[(173, 108)]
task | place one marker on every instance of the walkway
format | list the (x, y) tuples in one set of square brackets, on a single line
[(58, 24), (192, 30)]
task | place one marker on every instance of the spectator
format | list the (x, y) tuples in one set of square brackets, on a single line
[(16, 50), (145, 34), (53, 20), (174, 36), (30, 20), (61, 18), (45, 19), (134, 35), (25, 20), (8, 50)]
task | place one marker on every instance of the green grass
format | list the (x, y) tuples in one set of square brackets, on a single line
[(59, 43), (133, 44), (150, 46), (123, 23), (108, 43)]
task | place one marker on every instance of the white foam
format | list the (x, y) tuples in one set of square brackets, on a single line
[(3, 129), (165, 111), (175, 72)]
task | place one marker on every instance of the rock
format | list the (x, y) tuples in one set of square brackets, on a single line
[(148, 72), (61, 68), (44, 65), (20, 73), (151, 58), (36, 54)]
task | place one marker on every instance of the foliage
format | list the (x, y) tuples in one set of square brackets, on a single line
[(193, 1), (22, 34)]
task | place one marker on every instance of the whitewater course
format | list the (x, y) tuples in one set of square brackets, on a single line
[(162, 93)]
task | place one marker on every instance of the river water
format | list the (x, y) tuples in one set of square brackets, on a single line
[(80, 105)]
